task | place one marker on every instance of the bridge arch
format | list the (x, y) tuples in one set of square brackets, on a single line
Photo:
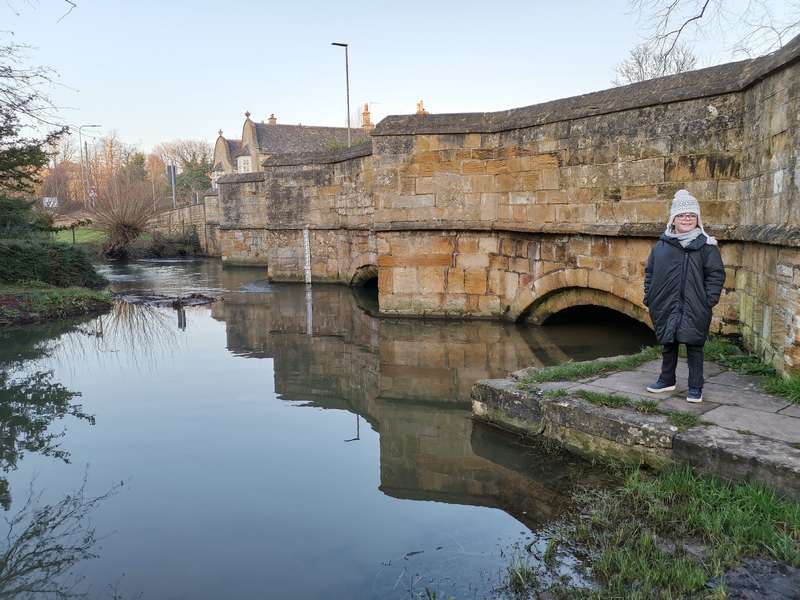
[(554, 302), (363, 275), (566, 288)]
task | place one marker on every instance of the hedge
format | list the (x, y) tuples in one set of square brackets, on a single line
[(61, 265)]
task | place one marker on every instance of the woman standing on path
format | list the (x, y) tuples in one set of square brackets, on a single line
[(682, 283)]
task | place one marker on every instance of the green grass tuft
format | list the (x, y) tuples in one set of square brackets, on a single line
[(578, 370), (521, 576), (646, 406), (682, 420), (603, 399), (556, 393), (788, 387)]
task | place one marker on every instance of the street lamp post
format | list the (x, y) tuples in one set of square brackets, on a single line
[(347, 77), (80, 146)]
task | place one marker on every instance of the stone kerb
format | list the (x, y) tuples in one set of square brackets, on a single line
[(739, 432)]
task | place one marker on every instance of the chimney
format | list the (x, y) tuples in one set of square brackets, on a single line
[(421, 109), (366, 122), (272, 120)]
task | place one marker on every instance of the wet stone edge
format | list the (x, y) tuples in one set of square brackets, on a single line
[(612, 434)]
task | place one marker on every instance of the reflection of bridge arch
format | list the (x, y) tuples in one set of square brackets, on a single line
[(566, 288)]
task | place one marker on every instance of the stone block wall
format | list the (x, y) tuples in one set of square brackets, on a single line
[(523, 213), (201, 216), (612, 170), (263, 215)]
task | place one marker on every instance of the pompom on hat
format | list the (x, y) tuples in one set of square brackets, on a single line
[(684, 202)]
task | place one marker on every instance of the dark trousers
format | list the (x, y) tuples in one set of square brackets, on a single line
[(694, 356)]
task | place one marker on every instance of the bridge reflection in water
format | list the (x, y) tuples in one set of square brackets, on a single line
[(410, 379)]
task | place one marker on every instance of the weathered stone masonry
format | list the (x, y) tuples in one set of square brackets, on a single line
[(521, 213), (263, 215)]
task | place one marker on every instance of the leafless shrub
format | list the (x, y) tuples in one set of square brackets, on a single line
[(122, 208)]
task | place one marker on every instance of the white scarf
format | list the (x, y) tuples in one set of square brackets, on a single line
[(684, 239)]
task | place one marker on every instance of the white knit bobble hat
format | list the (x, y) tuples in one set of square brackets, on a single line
[(684, 202)]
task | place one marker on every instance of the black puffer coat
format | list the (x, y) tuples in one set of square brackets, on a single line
[(681, 286)]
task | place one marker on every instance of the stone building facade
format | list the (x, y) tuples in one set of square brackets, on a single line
[(261, 140), (521, 213)]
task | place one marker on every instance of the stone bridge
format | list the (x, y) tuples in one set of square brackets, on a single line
[(519, 214)]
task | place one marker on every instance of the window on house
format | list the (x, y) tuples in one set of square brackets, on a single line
[(243, 164)]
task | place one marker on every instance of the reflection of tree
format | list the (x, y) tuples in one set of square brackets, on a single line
[(45, 542), (140, 333), (28, 405)]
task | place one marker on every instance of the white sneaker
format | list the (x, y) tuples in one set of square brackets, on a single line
[(659, 387), (694, 395)]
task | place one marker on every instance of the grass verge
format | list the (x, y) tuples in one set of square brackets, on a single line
[(578, 370), (83, 236), (33, 301), (670, 535)]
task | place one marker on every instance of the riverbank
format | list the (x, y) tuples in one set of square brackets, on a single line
[(31, 303), (747, 428), (675, 534), (719, 514)]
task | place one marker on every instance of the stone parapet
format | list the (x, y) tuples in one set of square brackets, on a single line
[(711, 81)]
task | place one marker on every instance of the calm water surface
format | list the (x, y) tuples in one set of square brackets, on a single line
[(284, 443)]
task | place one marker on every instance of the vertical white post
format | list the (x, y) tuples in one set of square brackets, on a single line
[(307, 255), (309, 312), (307, 270)]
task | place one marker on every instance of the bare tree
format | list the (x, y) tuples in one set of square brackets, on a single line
[(645, 62), (759, 25), (180, 152)]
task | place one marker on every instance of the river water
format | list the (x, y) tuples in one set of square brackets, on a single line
[(283, 442)]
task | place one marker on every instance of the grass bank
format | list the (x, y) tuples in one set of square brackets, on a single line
[(29, 302), (676, 534)]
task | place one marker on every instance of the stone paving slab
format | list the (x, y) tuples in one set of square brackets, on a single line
[(607, 390), (679, 403), (633, 382), (737, 380), (769, 425), (792, 410), (745, 398)]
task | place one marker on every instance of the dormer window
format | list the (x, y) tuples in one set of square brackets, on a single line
[(243, 164)]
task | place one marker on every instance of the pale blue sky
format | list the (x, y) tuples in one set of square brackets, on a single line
[(156, 71)]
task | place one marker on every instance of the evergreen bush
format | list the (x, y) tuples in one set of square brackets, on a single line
[(61, 265)]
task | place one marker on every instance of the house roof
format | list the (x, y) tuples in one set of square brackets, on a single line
[(234, 147), (282, 139)]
